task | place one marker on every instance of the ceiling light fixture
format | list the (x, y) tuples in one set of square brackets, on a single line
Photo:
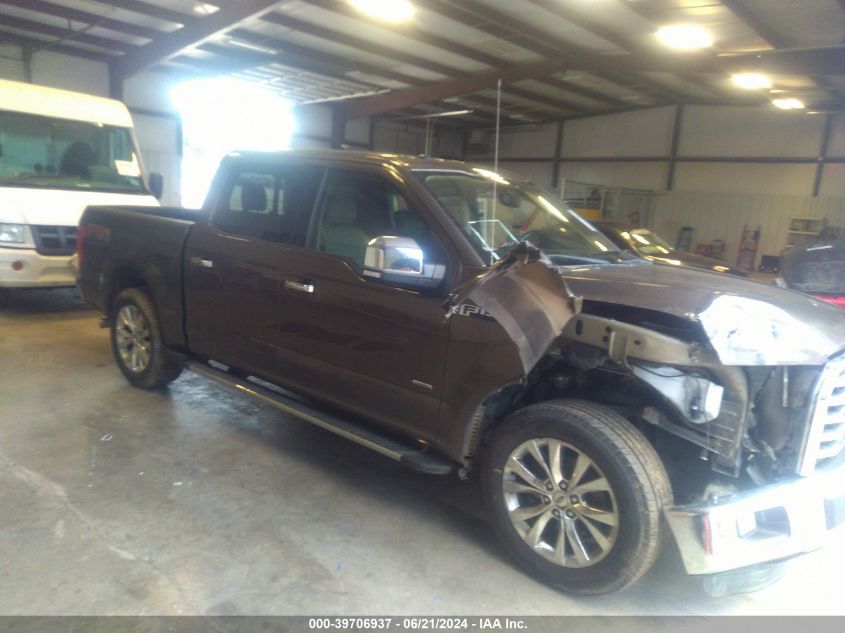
[(252, 46), (205, 9), (751, 81), (387, 10), (790, 103), (685, 36), (435, 115)]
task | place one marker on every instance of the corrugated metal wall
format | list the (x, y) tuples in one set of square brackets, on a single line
[(722, 216)]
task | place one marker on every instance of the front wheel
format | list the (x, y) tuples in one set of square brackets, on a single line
[(576, 494), (137, 342)]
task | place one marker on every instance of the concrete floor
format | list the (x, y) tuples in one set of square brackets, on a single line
[(119, 501)]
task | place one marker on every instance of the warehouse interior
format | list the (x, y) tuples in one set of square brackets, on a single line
[(194, 502)]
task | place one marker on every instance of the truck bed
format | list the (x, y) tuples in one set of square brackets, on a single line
[(146, 243)]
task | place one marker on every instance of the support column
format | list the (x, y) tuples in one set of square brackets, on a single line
[(673, 152)]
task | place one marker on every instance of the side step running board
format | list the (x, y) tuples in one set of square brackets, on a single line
[(407, 454)]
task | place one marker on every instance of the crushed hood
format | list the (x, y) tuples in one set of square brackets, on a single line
[(747, 322)]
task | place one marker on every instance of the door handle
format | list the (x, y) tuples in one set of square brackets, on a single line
[(298, 286), (202, 262)]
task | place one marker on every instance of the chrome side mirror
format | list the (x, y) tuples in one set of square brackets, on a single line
[(393, 255), (400, 261)]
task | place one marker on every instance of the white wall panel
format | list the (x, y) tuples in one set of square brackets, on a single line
[(722, 216), (313, 120), (11, 64), (737, 131), (358, 131), (836, 144), (641, 133), (70, 73), (528, 142), (633, 175), (300, 142), (744, 178), (158, 140), (540, 173), (150, 91), (833, 180)]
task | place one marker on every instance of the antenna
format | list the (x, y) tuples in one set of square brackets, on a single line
[(428, 131), (496, 143)]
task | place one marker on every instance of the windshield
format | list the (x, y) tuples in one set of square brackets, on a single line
[(495, 214), (648, 243), (38, 151)]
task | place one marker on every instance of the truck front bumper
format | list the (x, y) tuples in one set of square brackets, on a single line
[(25, 268), (766, 524)]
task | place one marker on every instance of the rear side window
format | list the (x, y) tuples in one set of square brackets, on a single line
[(268, 204)]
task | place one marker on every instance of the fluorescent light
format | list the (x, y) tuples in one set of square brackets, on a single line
[(387, 10), (433, 115), (790, 103), (205, 9), (685, 36), (252, 46), (751, 81)]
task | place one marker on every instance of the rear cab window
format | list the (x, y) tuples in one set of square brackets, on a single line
[(270, 203)]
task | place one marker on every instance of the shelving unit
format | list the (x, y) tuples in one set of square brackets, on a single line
[(803, 230)]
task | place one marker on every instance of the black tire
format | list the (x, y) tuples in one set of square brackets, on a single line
[(637, 490), (163, 366), (5, 297)]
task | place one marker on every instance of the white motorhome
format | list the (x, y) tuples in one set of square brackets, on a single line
[(60, 151)]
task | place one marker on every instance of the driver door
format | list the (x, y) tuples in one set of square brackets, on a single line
[(363, 344)]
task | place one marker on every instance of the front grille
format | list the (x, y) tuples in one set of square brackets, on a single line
[(826, 436), (54, 240)]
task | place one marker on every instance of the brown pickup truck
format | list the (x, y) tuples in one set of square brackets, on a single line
[(461, 320)]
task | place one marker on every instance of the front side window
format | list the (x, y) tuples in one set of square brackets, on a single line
[(357, 207), (495, 214), (267, 204), (48, 153)]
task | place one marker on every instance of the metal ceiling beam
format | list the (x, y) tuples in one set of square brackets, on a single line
[(450, 88), (331, 65), (154, 11), (502, 25), (37, 44), (65, 34), (456, 48), (599, 29), (91, 19), (414, 60), (774, 39), (197, 32)]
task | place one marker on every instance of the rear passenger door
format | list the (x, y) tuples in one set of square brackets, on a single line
[(235, 262), (361, 343)]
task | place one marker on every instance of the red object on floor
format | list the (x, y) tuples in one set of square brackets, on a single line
[(837, 300)]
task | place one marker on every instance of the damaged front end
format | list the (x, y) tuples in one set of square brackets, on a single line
[(747, 379)]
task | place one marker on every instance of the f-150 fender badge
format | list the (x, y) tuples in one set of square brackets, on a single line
[(470, 310)]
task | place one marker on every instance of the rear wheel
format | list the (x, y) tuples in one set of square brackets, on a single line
[(137, 342), (576, 494)]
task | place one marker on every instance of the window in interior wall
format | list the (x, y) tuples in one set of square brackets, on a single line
[(222, 115)]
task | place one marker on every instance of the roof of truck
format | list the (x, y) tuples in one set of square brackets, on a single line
[(367, 157), (18, 96)]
